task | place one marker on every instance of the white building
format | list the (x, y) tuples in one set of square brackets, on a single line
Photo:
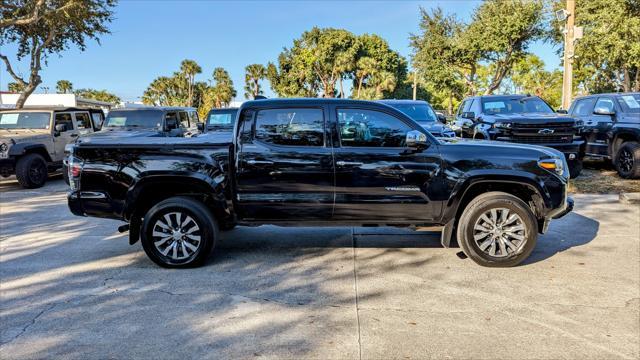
[(67, 100)]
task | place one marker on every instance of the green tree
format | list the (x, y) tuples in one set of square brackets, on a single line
[(253, 74), (14, 87), (377, 67), (501, 32), (57, 24), (607, 58), (219, 94), (530, 77), (100, 95), (64, 86), (189, 69)]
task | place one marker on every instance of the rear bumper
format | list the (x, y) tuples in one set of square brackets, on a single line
[(91, 203)]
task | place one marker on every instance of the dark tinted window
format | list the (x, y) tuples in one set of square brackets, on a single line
[(530, 104), (371, 128), (301, 127), (418, 112), (583, 107), (64, 118), (83, 121), (171, 120), (135, 118), (24, 120), (630, 103)]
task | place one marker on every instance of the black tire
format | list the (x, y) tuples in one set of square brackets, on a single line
[(496, 201), (575, 168), (207, 232), (31, 171), (627, 160)]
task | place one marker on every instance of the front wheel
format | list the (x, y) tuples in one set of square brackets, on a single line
[(31, 171), (497, 229), (179, 232), (627, 160)]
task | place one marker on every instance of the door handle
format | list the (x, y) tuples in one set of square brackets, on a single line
[(348, 163), (259, 162), (73, 135)]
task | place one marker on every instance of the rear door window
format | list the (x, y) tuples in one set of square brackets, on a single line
[(290, 127), (370, 128), (184, 119), (83, 121)]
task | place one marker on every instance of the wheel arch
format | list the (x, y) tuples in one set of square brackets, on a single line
[(21, 149), (620, 138)]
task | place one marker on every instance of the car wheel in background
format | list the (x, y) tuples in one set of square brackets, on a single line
[(497, 229), (179, 232), (627, 160), (31, 171)]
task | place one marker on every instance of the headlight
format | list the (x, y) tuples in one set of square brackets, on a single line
[(502, 125), (4, 147), (554, 165)]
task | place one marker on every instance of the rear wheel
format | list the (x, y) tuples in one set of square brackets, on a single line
[(31, 171), (627, 160), (179, 232), (497, 229)]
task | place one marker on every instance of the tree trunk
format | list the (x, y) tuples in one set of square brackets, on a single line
[(359, 86), (341, 89), (626, 83), (501, 72), (636, 82), (28, 90), (450, 103)]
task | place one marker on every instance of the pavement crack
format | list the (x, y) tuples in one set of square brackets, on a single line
[(30, 323)]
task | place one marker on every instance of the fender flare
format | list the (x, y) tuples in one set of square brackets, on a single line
[(20, 149)]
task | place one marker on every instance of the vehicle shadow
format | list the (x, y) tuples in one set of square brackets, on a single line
[(571, 231)]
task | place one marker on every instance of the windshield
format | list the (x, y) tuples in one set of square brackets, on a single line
[(417, 112), (630, 103), (135, 118), (515, 105), (219, 119), (24, 120)]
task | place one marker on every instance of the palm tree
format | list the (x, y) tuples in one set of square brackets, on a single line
[(189, 69), (64, 87), (365, 67), (15, 87), (253, 74)]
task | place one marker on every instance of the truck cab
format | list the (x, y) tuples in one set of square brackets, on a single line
[(33, 139)]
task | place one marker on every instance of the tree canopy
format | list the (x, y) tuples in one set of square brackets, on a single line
[(254, 73), (322, 58), (42, 28), (64, 86), (100, 95)]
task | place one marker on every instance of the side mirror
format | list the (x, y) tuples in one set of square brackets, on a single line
[(200, 126), (469, 115), (562, 111), (416, 139), (441, 117), (603, 111), (61, 128)]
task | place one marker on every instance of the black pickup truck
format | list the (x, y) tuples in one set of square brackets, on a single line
[(521, 119), (320, 162)]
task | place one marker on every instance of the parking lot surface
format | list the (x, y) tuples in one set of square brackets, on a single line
[(72, 287)]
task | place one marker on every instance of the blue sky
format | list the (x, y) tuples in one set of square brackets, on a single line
[(150, 38)]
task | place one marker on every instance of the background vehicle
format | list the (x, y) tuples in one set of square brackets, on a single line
[(422, 113), (521, 119), (611, 129), (221, 121), (32, 140), (150, 122), (303, 162)]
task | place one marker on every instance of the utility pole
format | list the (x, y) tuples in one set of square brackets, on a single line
[(415, 84), (569, 42)]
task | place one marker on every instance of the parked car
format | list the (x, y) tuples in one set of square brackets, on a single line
[(313, 162), (422, 113), (611, 129), (221, 119), (32, 139), (521, 119), (153, 121)]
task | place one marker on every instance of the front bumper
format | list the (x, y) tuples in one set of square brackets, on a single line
[(568, 207), (7, 167)]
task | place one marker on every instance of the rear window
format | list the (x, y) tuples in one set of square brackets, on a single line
[(24, 120), (137, 118)]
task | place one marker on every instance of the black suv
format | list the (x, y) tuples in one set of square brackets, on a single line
[(151, 121), (611, 129), (521, 119), (422, 113), (320, 162)]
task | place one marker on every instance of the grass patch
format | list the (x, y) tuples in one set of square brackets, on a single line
[(599, 177)]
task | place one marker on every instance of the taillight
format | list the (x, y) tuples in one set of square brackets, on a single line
[(75, 170)]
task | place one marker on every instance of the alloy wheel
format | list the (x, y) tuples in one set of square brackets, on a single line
[(499, 233), (176, 236), (625, 160)]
